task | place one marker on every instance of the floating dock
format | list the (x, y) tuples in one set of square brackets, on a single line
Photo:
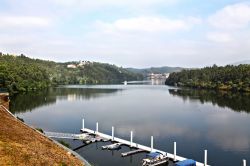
[(89, 136), (132, 144), (125, 154), (68, 135)]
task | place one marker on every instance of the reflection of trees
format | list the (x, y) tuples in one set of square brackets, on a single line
[(28, 101), (82, 93), (236, 101)]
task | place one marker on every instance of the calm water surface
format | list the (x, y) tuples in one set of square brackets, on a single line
[(195, 119)]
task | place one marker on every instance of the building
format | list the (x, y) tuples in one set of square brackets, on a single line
[(158, 76), (71, 66)]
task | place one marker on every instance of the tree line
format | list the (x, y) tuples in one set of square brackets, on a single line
[(21, 73), (234, 78)]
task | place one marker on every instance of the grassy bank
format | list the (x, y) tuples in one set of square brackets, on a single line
[(22, 145)]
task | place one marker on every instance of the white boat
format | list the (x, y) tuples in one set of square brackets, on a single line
[(154, 158), (112, 146)]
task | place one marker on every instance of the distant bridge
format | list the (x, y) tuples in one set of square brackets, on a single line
[(136, 82)]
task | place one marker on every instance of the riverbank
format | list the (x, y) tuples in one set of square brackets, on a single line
[(22, 145), (227, 78)]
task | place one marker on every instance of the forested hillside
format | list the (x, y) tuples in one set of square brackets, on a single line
[(224, 78), (20, 73)]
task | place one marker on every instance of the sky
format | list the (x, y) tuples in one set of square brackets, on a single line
[(128, 33)]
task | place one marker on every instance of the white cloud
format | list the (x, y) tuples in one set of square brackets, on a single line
[(231, 17), (149, 24), (23, 21), (219, 37), (129, 33), (114, 3)]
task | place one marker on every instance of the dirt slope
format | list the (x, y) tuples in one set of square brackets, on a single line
[(21, 145)]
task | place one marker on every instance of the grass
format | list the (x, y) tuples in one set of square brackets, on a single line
[(39, 129), (62, 164), (64, 143)]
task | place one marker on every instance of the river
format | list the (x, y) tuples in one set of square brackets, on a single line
[(195, 119)]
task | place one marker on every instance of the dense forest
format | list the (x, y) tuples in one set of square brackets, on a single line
[(20, 73), (235, 78)]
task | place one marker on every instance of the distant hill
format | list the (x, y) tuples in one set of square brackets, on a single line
[(156, 70), (21, 73), (245, 62)]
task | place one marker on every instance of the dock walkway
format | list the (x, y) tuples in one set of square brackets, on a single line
[(132, 152), (89, 135), (130, 143), (66, 135)]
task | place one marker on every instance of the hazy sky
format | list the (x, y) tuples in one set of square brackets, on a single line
[(128, 33)]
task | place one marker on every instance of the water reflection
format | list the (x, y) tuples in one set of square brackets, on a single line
[(195, 119), (228, 131), (225, 129), (228, 140), (236, 101), (172, 130), (29, 101)]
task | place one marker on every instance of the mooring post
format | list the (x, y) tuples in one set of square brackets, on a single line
[(96, 130), (83, 124), (205, 157), (131, 138), (174, 151), (112, 133), (152, 142), (244, 163)]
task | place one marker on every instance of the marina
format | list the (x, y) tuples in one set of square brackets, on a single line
[(174, 157), (89, 136), (157, 156)]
